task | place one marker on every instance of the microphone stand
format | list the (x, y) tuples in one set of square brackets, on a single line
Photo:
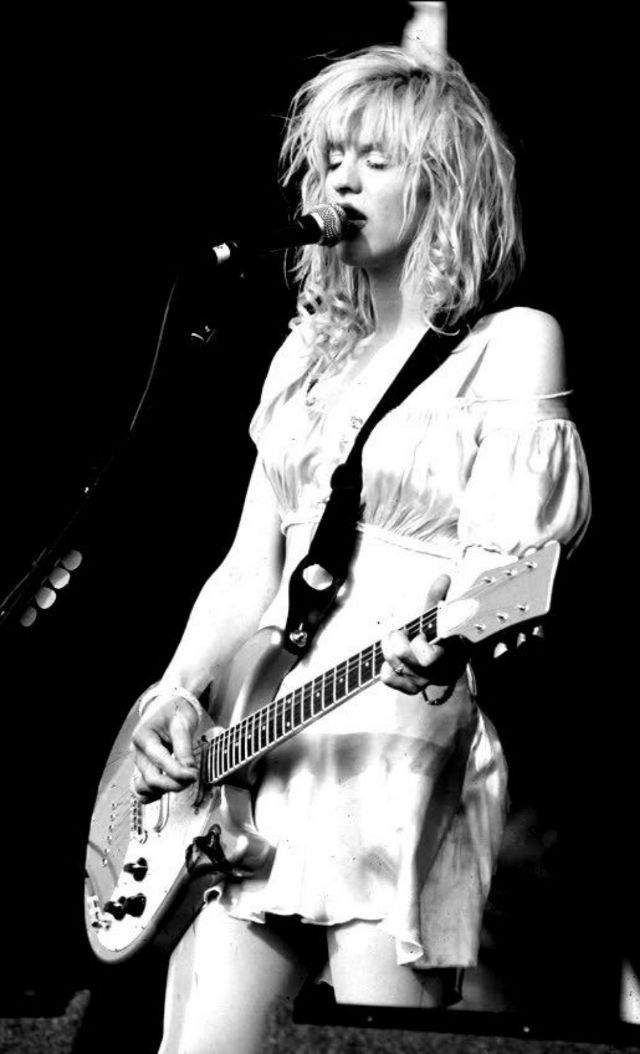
[(50, 571)]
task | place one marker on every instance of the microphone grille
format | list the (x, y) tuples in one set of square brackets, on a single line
[(333, 223)]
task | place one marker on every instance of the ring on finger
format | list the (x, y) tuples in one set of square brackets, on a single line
[(399, 668)]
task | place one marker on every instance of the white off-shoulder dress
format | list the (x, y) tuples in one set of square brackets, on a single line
[(388, 808)]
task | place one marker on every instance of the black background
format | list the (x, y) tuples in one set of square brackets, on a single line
[(133, 142)]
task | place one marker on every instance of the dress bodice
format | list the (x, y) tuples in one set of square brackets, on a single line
[(446, 470)]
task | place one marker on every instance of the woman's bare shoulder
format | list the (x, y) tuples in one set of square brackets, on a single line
[(524, 355)]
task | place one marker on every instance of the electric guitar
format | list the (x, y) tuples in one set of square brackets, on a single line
[(148, 865)]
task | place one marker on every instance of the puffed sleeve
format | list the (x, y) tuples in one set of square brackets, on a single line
[(528, 484), (288, 366)]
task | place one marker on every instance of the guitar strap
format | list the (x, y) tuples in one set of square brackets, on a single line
[(315, 582)]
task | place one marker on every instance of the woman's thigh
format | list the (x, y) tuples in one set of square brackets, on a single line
[(224, 978), (364, 971)]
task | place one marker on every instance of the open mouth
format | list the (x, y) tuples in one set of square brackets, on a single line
[(353, 215), (356, 220)]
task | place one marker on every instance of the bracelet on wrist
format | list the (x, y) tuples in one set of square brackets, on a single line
[(167, 692)]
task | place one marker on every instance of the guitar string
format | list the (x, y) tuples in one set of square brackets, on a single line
[(307, 694), (234, 738), (276, 708)]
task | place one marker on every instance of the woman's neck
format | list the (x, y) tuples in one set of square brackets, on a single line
[(397, 309)]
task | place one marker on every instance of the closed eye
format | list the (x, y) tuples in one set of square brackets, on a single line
[(377, 162), (334, 160)]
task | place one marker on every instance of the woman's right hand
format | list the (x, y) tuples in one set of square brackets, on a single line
[(162, 747)]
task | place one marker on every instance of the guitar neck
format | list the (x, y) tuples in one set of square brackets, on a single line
[(287, 715)]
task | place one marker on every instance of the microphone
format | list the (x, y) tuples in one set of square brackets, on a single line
[(323, 225)]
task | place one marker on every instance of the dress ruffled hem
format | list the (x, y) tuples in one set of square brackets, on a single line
[(409, 949)]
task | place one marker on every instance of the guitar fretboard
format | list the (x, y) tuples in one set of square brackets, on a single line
[(282, 718)]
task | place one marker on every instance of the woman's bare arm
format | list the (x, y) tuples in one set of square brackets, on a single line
[(225, 614)]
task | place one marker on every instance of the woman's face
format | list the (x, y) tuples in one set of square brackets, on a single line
[(370, 187)]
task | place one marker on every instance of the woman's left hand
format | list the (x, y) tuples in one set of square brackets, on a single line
[(412, 665)]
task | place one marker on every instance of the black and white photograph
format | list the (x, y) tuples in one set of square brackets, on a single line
[(318, 687)]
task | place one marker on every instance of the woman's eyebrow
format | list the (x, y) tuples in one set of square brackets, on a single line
[(362, 148)]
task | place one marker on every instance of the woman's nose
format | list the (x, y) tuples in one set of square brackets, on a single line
[(347, 176)]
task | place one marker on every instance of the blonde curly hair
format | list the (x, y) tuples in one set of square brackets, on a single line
[(429, 118)]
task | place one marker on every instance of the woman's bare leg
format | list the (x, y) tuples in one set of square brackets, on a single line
[(224, 978), (364, 970)]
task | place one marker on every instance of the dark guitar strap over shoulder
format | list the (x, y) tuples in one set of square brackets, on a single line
[(318, 577)]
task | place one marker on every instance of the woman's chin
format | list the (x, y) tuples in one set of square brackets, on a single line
[(351, 254)]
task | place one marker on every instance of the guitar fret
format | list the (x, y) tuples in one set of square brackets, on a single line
[(307, 702), (290, 713), (275, 714), (353, 675), (341, 681), (269, 726), (280, 712), (220, 754), (378, 658), (328, 688), (296, 708), (366, 665), (317, 696), (277, 719)]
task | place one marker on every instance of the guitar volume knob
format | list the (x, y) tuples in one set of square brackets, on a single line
[(137, 869), (135, 905), (116, 908)]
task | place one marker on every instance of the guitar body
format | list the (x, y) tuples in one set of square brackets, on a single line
[(143, 859)]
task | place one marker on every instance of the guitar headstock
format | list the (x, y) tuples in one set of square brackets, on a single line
[(503, 598)]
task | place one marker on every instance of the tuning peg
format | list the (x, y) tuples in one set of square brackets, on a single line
[(521, 639), (538, 631), (500, 649)]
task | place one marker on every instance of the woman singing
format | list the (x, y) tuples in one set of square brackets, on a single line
[(387, 814)]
